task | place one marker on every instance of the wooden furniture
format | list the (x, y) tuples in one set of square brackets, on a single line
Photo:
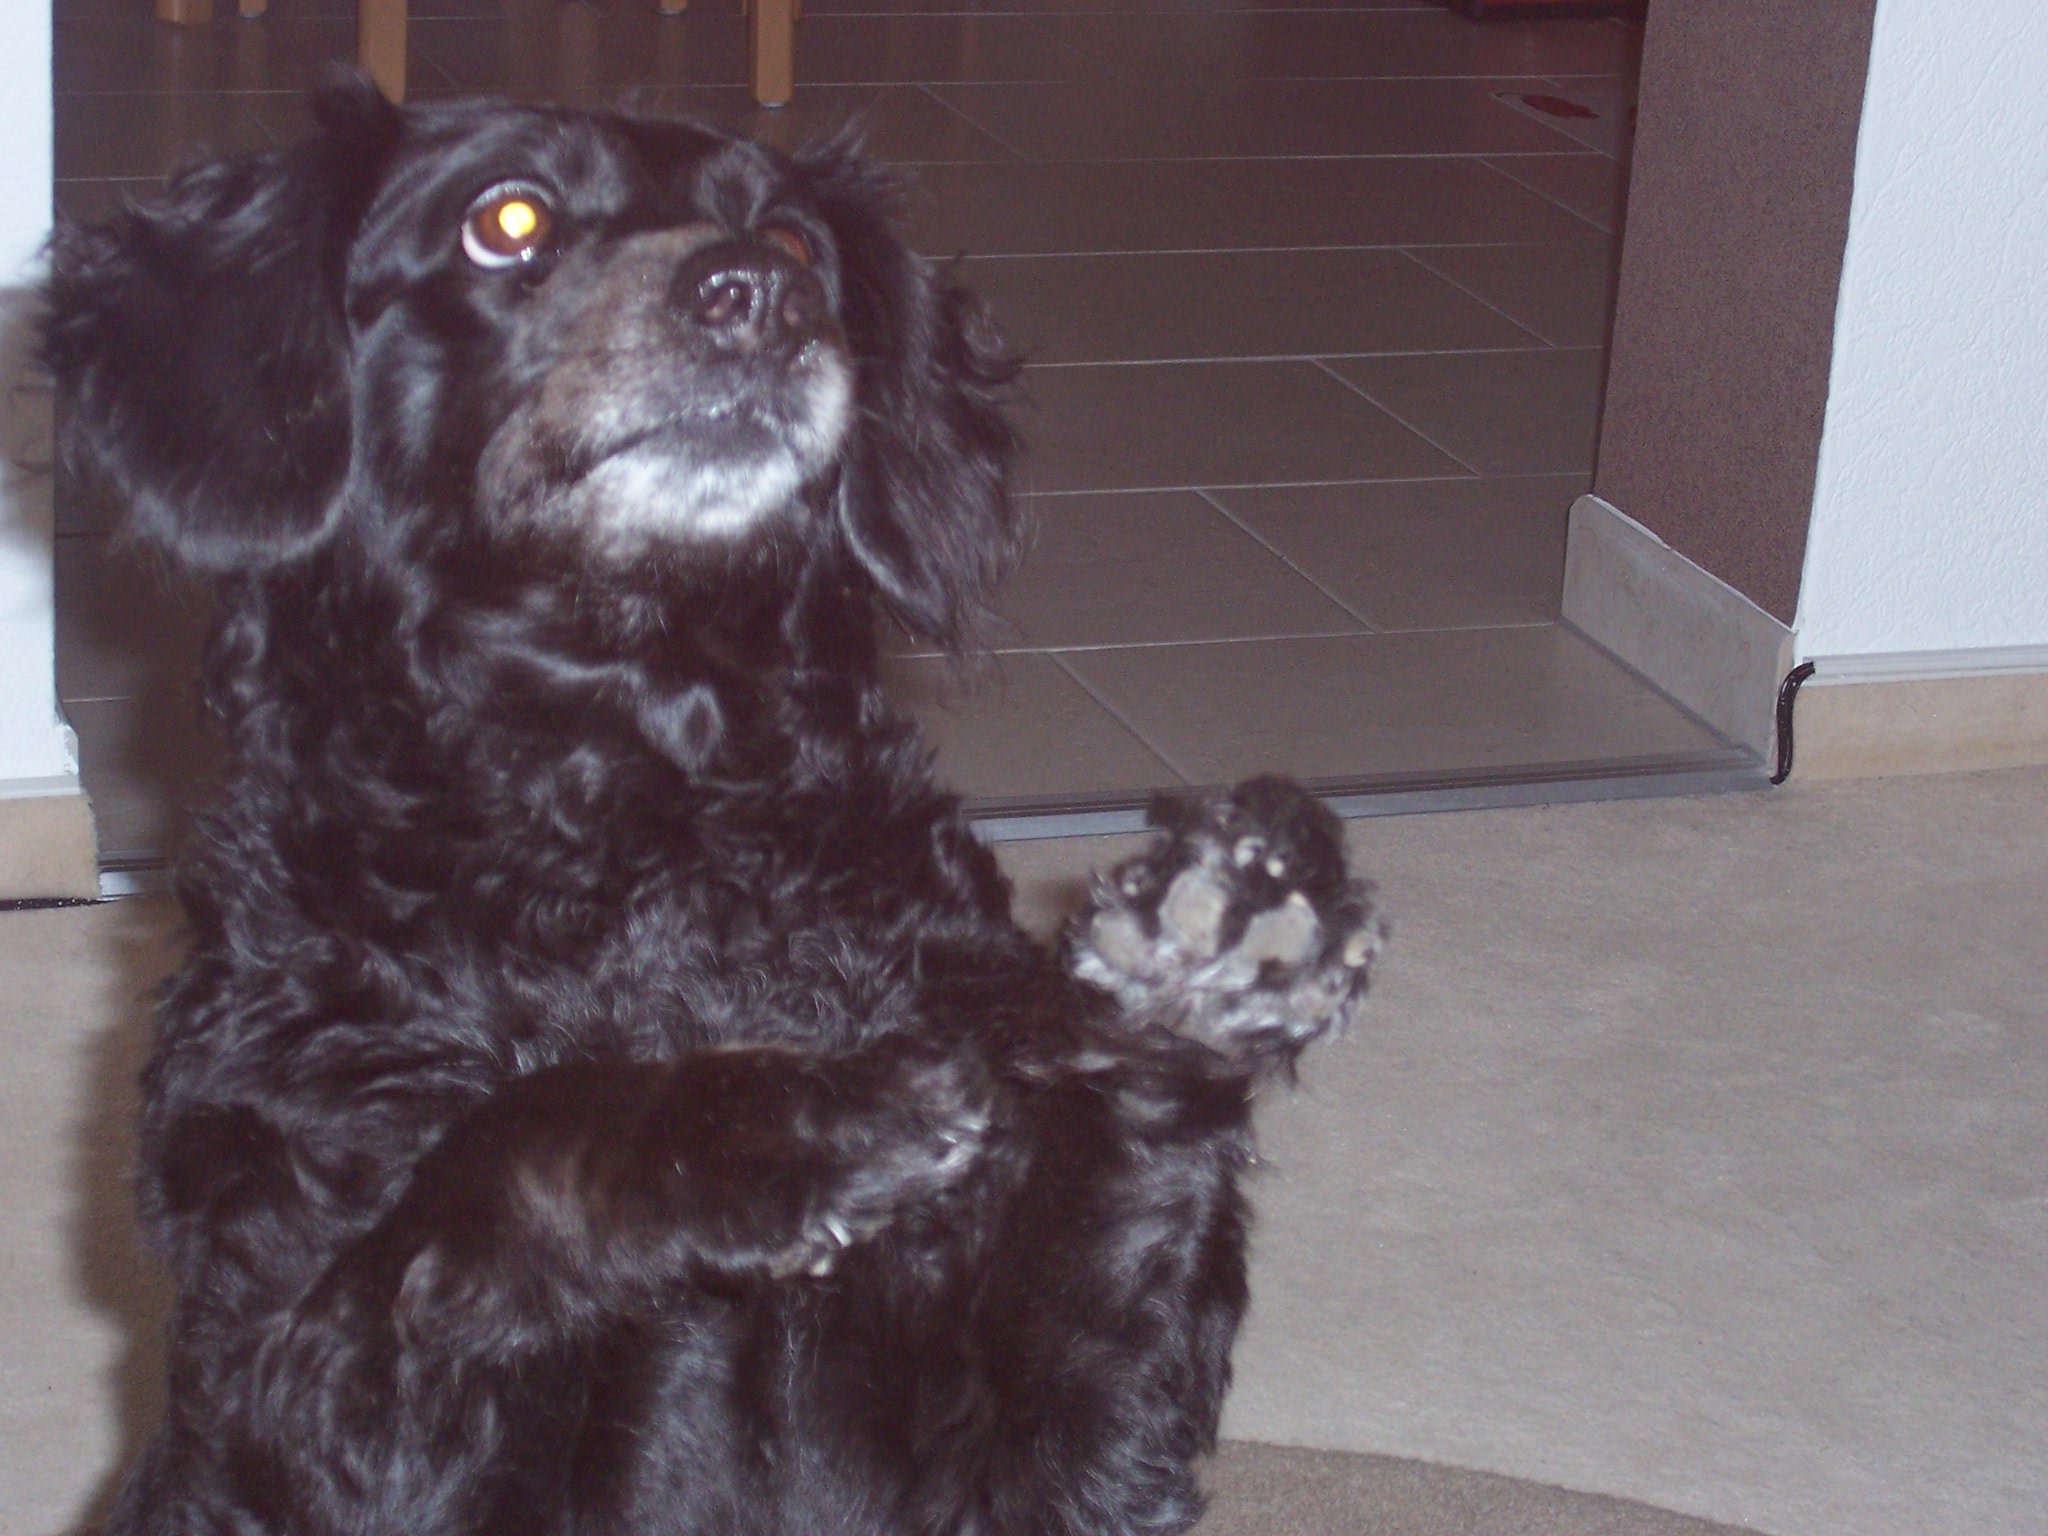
[(380, 40)]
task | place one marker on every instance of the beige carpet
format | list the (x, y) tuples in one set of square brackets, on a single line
[(1272, 1490), (1692, 1154)]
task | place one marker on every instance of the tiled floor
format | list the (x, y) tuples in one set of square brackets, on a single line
[(1314, 297)]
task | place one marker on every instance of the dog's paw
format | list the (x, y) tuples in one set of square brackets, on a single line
[(1239, 928), (900, 1133), (761, 1159)]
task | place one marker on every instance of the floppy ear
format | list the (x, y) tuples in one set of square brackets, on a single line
[(199, 346), (924, 491)]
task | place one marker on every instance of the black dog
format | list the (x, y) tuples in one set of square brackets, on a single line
[(606, 1092)]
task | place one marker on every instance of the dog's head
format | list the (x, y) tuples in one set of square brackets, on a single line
[(622, 340)]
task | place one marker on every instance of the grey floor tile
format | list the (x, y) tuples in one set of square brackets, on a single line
[(1023, 209), (149, 134), (1231, 304), (1155, 567), (1369, 704), (1562, 293), (130, 50), (1599, 114), (901, 123), (1200, 116), (451, 10), (1027, 731), (1502, 413), (1436, 554), (833, 49), (577, 54), (1591, 186), (145, 764), (1092, 7), (574, 50), (1158, 426), (1309, 43), (123, 627)]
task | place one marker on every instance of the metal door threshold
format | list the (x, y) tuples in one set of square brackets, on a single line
[(1722, 771)]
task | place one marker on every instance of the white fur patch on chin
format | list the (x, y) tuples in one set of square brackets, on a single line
[(647, 495)]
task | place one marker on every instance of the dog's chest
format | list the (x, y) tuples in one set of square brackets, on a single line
[(783, 919)]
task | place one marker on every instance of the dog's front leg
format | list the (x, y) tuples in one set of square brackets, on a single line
[(435, 1365)]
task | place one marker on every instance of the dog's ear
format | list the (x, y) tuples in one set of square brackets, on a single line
[(924, 492), (199, 346)]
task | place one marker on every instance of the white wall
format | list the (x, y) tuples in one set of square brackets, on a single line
[(33, 745), (1930, 523)]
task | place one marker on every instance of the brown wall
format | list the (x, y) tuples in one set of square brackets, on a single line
[(1725, 307)]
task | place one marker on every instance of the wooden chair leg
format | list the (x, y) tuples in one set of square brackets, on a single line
[(185, 13), (252, 8), (674, 7), (771, 48), (380, 44)]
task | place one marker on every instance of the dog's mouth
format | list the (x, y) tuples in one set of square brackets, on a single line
[(632, 450), (803, 413)]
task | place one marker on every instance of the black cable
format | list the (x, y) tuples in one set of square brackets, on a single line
[(1787, 691)]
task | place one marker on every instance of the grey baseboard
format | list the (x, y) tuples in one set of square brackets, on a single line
[(1691, 634)]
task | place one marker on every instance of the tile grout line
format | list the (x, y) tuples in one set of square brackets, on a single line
[(1162, 82), (1482, 298), (1291, 485), (994, 137), (1531, 187), (1278, 554), (1034, 24), (1545, 350), (1327, 158), (1397, 416), (1119, 717), (1216, 642), (1204, 13), (1402, 246)]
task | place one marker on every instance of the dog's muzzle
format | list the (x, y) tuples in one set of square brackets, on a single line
[(699, 381)]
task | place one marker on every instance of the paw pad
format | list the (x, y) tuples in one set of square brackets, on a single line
[(1240, 928)]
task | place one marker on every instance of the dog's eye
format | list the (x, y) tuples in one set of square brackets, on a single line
[(790, 241), (508, 225)]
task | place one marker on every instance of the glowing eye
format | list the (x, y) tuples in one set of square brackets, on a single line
[(508, 225), (517, 220), (790, 241)]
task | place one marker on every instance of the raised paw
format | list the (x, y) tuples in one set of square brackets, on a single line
[(1239, 928)]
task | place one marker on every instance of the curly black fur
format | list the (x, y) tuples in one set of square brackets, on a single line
[(606, 1092)]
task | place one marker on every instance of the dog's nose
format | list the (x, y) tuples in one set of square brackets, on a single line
[(749, 298)]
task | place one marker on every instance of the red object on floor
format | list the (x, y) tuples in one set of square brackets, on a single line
[(1556, 106)]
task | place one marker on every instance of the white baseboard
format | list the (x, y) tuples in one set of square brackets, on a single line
[(1694, 636), (1926, 666), (47, 846)]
